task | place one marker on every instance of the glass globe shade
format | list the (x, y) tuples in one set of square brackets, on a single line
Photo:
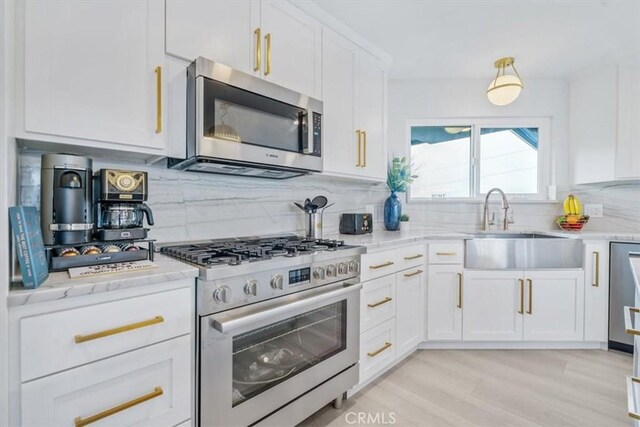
[(504, 90)]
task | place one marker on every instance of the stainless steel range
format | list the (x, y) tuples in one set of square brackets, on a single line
[(277, 326)]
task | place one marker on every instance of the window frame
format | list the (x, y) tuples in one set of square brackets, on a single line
[(545, 178)]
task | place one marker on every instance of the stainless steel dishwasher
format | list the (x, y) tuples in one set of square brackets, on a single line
[(621, 293)]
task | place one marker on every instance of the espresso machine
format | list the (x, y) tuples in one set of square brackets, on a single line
[(66, 209), (120, 207)]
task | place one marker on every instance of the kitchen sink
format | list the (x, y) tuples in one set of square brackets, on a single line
[(522, 251), (514, 236)]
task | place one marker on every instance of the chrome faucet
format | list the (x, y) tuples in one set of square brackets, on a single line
[(505, 206)]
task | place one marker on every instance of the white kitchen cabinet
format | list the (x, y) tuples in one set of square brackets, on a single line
[(354, 96), (410, 309), (444, 302), (223, 31), (371, 111), (493, 304), (604, 104), (378, 302), (596, 291), (159, 374), (292, 47), (377, 349), (339, 73), (92, 74), (628, 149), (554, 305)]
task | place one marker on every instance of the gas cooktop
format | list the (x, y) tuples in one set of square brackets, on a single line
[(238, 251)]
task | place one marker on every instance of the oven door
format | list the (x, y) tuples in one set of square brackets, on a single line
[(238, 125), (256, 359)]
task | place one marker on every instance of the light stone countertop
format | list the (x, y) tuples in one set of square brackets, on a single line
[(59, 285)]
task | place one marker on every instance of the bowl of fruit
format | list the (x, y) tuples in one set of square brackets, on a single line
[(573, 219)]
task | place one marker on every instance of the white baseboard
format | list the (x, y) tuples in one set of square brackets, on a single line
[(513, 345)]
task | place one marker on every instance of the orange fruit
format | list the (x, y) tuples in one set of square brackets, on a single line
[(572, 219)]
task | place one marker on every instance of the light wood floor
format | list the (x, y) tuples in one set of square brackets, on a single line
[(494, 388)]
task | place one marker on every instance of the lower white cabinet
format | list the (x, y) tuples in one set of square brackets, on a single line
[(444, 302), (492, 306), (596, 291), (410, 310), (146, 387), (535, 305), (377, 349), (555, 306), (377, 302)]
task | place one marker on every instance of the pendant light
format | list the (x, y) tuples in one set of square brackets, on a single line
[(505, 88)]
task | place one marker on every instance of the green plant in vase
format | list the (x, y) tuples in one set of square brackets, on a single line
[(398, 180)]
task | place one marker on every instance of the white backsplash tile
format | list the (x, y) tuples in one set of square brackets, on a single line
[(193, 206)]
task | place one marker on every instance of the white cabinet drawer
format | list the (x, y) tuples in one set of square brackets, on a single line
[(378, 264), (446, 253), (56, 341), (412, 256), (149, 386), (378, 302), (377, 349)]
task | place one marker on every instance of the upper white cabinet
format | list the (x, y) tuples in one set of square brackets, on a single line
[(354, 95), (224, 31), (292, 47), (628, 149), (272, 39), (603, 127), (93, 74)]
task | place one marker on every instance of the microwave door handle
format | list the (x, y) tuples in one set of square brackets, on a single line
[(229, 323), (307, 135)]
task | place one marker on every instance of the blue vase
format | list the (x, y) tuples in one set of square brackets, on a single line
[(392, 212)]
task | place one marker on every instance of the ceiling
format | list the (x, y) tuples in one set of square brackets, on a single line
[(462, 38)]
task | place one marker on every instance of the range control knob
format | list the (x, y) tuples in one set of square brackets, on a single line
[(342, 268), (318, 273), (277, 281), (331, 270), (354, 267), (251, 288), (222, 294)]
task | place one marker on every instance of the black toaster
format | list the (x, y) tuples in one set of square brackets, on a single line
[(356, 223)]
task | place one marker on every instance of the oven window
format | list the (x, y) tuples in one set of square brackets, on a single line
[(270, 355), (237, 115)]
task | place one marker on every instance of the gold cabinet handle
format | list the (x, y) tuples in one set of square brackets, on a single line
[(631, 399), (80, 422), (530, 283), (384, 301), (359, 134), (628, 322), (158, 99), (521, 281), (380, 350), (386, 264), (364, 148), (84, 338), (415, 273), (446, 253), (596, 274), (459, 290), (413, 257), (258, 64), (267, 40)]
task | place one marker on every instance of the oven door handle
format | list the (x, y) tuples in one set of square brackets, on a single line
[(229, 322)]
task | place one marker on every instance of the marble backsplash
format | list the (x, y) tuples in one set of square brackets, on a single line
[(196, 206)]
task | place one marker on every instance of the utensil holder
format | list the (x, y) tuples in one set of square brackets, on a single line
[(314, 225)]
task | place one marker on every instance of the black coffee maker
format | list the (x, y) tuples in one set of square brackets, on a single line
[(120, 208)]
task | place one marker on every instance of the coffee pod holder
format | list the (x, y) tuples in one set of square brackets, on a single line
[(62, 263)]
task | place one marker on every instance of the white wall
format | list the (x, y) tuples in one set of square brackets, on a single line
[(426, 99)]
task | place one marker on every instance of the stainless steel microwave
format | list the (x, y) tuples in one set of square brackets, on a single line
[(239, 124)]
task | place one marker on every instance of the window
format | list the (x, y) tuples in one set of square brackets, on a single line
[(466, 158)]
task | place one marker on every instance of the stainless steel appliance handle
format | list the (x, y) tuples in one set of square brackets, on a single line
[(307, 132), (229, 322)]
